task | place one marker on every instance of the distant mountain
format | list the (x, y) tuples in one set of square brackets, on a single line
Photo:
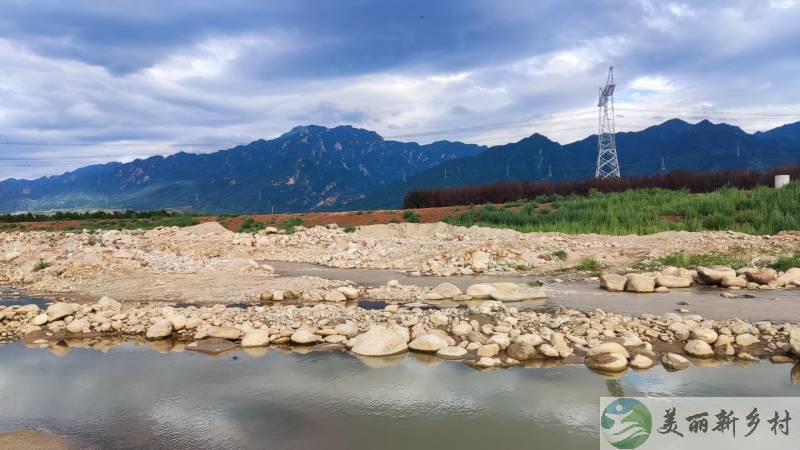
[(676, 144), (308, 168), (316, 168)]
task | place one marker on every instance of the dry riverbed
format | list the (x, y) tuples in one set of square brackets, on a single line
[(208, 289)]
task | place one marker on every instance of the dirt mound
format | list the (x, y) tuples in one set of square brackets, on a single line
[(436, 230)]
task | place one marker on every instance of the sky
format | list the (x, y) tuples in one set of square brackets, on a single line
[(84, 82)]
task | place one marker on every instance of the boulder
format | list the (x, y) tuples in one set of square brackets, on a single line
[(59, 310), (255, 338), (791, 276), (714, 275), (549, 351), (480, 290), (613, 282), (489, 350), (447, 290), (521, 351), (428, 343), (109, 303), (159, 330), (335, 296), (698, 348), (733, 281), (349, 292), (760, 276), (517, 295), (608, 347), (533, 340), (266, 296), (461, 329), (304, 337), (227, 333), (78, 325), (640, 283), (704, 334), (607, 362), (452, 352), (39, 320), (674, 361), (745, 340), (794, 339), (380, 341), (641, 362), (347, 329), (671, 281)]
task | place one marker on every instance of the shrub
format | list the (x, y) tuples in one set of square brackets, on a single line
[(560, 254), (350, 228), (785, 263), (589, 265), (250, 225), (411, 216), (41, 265)]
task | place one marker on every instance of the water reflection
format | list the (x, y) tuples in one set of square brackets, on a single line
[(111, 392)]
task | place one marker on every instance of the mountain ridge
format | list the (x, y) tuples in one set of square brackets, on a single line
[(311, 167)]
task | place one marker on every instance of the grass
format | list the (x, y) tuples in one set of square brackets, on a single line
[(289, 225), (41, 265), (178, 220), (762, 210), (249, 225), (785, 263), (411, 216), (691, 260), (350, 228), (561, 255), (588, 265)]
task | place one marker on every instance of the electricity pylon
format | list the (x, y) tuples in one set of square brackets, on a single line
[(607, 163)]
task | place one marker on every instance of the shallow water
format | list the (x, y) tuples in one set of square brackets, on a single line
[(134, 397)]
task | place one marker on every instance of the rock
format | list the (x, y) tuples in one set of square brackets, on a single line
[(607, 362), (640, 283), (78, 325), (392, 284), (613, 282), (760, 276), (608, 347), (560, 345), (277, 296), (641, 362), (159, 330), (266, 296), (349, 292), (489, 350), (698, 348), (533, 340), (461, 329), (481, 290), (39, 320), (661, 290), (714, 275), (794, 374), (347, 329), (447, 290), (486, 362), (521, 351), (438, 319), (178, 321), (671, 281), (452, 352), (704, 334), (517, 295), (335, 339), (335, 296), (255, 338), (211, 346), (227, 333), (60, 310), (305, 337), (109, 303), (794, 339), (549, 351), (479, 261), (733, 281), (428, 343), (745, 340), (380, 341), (674, 361), (791, 276)]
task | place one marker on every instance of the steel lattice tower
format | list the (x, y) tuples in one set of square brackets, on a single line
[(607, 163)]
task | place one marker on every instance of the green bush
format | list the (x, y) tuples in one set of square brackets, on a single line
[(589, 265), (250, 225), (350, 228), (41, 265), (560, 254), (785, 263), (411, 216)]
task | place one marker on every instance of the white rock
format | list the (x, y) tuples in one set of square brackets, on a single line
[(159, 330), (255, 338)]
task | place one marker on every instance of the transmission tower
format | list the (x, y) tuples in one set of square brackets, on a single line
[(607, 163)]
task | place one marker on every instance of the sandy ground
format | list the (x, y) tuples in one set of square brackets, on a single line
[(30, 439)]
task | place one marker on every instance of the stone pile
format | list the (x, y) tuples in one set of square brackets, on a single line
[(721, 276), (490, 335)]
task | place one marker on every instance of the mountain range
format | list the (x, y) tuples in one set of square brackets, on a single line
[(316, 168)]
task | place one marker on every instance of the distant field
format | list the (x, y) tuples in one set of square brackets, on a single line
[(762, 210)]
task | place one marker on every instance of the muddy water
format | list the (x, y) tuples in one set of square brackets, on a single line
[(133, 397), (778, 305)]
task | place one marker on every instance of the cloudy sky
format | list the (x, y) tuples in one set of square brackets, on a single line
[(84, 82)]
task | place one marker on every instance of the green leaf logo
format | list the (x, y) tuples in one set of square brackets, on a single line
[(626, 423)]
